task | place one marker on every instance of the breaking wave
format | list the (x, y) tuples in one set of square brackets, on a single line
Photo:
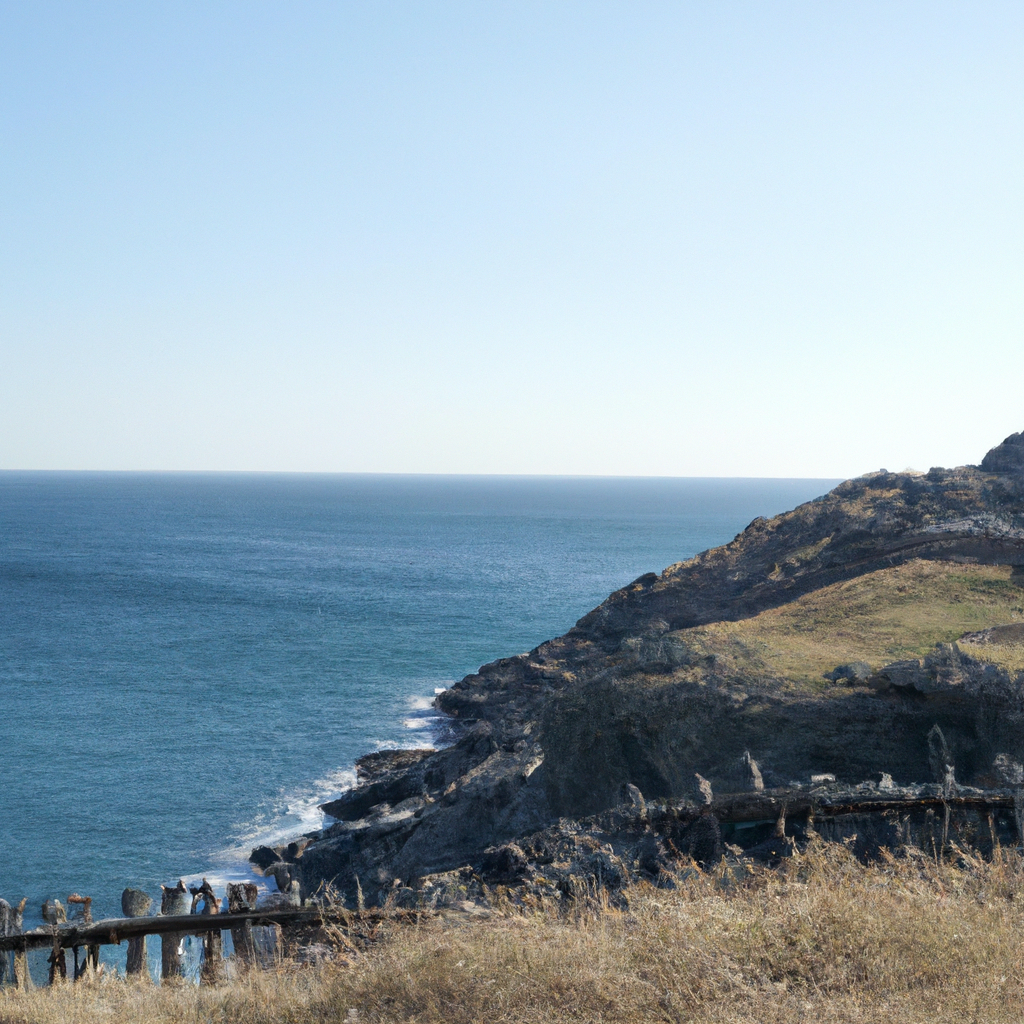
[(295, 811)]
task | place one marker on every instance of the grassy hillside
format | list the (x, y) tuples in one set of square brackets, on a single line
[(883, 616)]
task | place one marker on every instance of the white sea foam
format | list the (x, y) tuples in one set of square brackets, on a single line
[(296, 811), (291, 813), (413, 743), (423, 718)]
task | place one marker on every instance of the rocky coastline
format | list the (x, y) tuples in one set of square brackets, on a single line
[(852, 668)]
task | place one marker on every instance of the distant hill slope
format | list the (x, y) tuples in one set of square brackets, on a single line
[(832, 638)]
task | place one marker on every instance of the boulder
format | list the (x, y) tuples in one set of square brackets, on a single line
[(855, 672)]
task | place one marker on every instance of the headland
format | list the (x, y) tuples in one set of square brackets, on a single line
[(855, 664)]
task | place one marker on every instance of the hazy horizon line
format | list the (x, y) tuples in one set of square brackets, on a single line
[(392, 473)]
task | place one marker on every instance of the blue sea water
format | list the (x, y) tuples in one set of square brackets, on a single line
[(189, 664)]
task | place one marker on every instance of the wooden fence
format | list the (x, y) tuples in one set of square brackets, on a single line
[(208, 923)]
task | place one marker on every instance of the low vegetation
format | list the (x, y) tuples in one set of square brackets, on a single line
[(823, 938), (883, 616)]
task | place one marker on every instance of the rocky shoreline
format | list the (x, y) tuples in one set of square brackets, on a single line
[(600, 754)]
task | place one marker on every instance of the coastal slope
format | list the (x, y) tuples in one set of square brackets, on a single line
[(875, 632)]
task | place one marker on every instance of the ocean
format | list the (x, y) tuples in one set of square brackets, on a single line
[(191, 663)]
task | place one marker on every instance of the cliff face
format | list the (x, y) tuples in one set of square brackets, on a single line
[(824, 640)]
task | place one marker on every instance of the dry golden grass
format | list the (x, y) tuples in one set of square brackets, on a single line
[(881, 617), (824, 939)]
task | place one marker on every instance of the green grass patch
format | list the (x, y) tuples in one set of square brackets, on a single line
[(883, 616)]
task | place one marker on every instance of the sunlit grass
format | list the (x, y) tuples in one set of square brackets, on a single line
[(884, 616), (825, 939)]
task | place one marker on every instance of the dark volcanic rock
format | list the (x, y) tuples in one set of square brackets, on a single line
[(565, 730), (383, 764), (1007, 457), (856, 672), (263, 857), (1012, 633)]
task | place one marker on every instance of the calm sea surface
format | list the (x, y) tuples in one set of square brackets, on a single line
[(189, 664)]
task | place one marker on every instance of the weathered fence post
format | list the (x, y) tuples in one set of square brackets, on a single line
[(7, 927), (13, 965), (136, 903), (54, 916), (84, 916), (173, 902), (286, 934), (22, 975), (242, 897), (58, 962), (211, 940)]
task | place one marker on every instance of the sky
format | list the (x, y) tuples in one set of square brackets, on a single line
[(636, 238)]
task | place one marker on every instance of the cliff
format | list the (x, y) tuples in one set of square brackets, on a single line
[(875, 632)]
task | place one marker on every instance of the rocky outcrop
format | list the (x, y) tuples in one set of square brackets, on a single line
[(1006, 458), (620, 700), (596, 736), (598, 856)]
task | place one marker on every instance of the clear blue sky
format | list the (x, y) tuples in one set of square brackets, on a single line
[(764, 239)]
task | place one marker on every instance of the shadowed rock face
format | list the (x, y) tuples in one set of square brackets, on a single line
[(1007, 457), (561, 730), (599, 736)]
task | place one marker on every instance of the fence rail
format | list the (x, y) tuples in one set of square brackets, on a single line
[(115, 930)]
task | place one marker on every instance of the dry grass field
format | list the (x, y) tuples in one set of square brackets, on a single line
[(822, 939)]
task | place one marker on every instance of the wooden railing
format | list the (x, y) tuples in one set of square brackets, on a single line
[(116, 929), (82, 933)]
